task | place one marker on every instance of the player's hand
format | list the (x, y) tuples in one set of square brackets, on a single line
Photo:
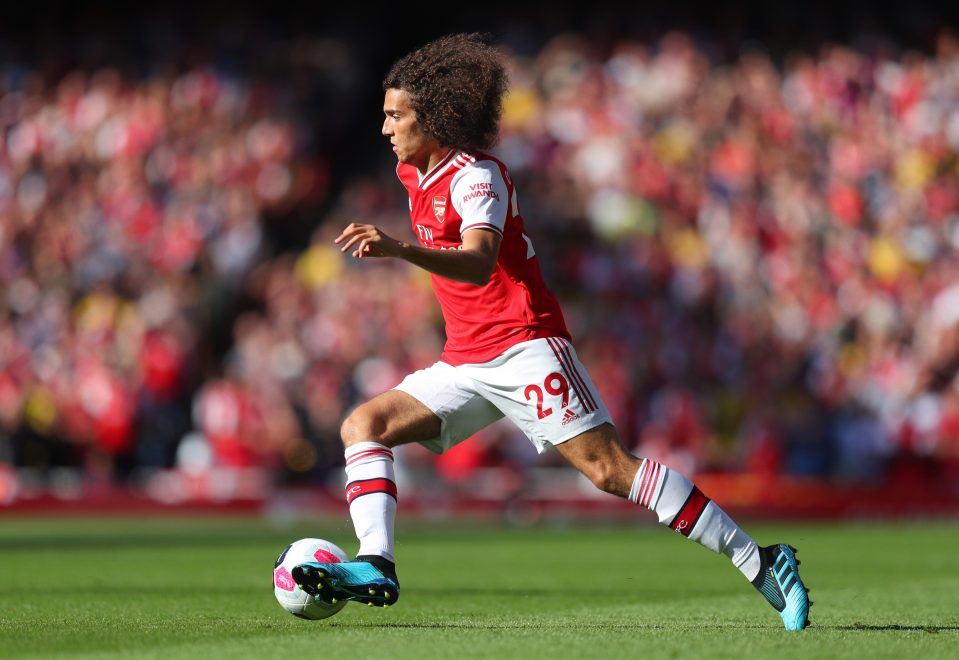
[(367, 241)]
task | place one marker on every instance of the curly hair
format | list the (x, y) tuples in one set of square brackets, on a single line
[(456, 86)]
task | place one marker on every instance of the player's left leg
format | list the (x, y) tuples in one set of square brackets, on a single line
[(600, 456), (679, 504)]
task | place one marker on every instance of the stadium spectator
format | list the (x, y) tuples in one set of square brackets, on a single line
[(758, 256)]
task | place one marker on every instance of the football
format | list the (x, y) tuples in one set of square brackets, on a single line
[(288, 594)]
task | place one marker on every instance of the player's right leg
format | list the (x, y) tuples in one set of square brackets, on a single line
[(435, 406), (369, 434)]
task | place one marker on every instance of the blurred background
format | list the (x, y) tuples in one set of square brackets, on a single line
[(750, 215)]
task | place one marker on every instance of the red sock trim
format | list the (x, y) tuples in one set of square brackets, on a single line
[(363, 487), (364, 455), (690, 512), (650, 481)]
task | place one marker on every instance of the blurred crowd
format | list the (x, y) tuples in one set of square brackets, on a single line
[(773, 248), (757, 259), (131, 209)]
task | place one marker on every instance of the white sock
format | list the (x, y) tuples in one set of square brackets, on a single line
[(683, 507), (371, 493)]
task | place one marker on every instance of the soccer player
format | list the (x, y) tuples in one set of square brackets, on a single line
[(508, 352)]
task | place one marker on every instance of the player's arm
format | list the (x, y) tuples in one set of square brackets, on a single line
[(473, 263)]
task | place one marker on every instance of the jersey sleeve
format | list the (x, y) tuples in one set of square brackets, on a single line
[(480, 197)]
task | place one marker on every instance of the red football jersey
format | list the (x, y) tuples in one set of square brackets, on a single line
[(474, 191)]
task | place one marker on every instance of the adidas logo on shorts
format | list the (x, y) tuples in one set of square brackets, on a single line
[(569, 416)]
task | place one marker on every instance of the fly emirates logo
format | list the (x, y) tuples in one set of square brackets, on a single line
[(481, 190), (426, 239)]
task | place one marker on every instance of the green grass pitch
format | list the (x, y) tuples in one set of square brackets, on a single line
[(200, 588)]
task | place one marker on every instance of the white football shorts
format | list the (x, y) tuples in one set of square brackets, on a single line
[(540, 385)]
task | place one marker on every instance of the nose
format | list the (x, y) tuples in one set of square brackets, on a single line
[(387, 127)]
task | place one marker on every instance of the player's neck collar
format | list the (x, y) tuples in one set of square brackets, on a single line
[(439, 164)]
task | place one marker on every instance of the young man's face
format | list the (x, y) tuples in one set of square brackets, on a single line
[(410, 144)]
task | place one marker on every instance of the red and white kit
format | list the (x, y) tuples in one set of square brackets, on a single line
[(509, 354), (507, 350), (464, 192)]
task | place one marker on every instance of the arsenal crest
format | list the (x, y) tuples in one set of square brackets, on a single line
[(439, 207)]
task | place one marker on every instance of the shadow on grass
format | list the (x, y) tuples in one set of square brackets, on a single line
[(565, 625), (587, 594), (599, 627), (865, 627)]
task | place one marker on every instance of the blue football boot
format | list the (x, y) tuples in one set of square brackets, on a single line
[(779, 582), (369, 579)]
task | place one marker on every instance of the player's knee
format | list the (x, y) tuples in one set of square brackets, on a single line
[(607, 476), (362, 425)]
